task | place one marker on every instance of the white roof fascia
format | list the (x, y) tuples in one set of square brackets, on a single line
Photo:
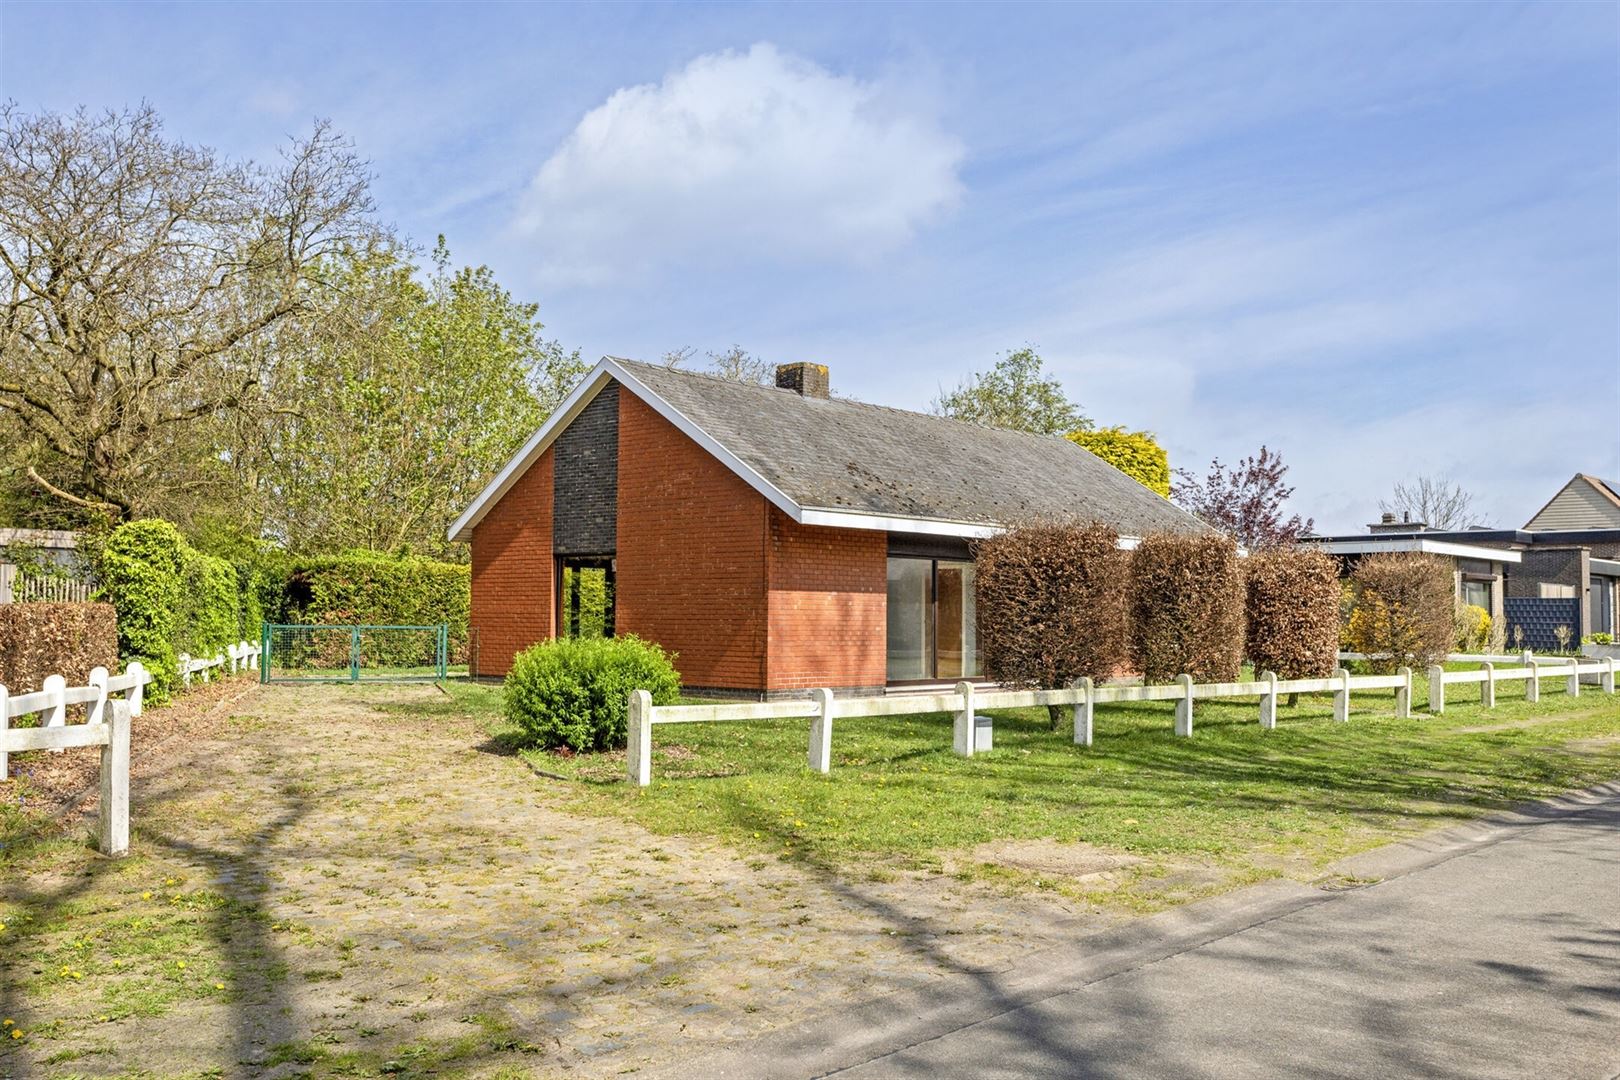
[(1372, 546)]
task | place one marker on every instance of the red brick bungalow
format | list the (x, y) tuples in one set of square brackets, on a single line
[(774, 538)]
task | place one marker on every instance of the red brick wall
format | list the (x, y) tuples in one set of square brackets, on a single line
[(691, 553), (511, 571), (828, 606)]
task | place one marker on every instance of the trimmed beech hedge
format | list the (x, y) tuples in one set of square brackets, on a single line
[(376, 588), (1404, 610), (37, 640), (1186, 608), (1293, 612), (1050, 604), (575, 692)]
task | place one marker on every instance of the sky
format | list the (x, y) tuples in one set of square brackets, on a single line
[(1381, 239)]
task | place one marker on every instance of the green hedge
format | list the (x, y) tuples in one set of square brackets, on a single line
[(210, 610), (575, 692), (376, 588), (141, 569)]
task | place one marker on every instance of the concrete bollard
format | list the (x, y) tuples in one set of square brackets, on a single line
[(1437, 689), (1083, 712), (638, 748), (115, 784), (1403, 695), (1341, 696), (1487, 689), (1184, 706), (1268, 701), (962, 736), (821, 732)]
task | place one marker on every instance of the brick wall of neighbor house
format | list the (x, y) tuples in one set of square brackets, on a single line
[(511, 571), (828, 608), (1558, 566), (691, 554)]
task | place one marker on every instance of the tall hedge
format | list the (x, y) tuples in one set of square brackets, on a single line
[(1186, 606), (37, 640), (1137, 454), (377, 588), (1050, 604), (1293, 612), (1404, 609), (210, 613), (141, 568)]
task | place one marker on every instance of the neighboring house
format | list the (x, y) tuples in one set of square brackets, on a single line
[(47, 547), (774, 537), (1561, 569)]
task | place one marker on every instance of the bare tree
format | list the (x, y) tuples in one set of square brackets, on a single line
[(137, 277), (1435, 501)]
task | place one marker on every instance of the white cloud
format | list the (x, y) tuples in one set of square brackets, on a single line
[(741, 157)]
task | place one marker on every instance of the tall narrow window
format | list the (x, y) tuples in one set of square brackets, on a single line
[(932, 632), (584, 597)]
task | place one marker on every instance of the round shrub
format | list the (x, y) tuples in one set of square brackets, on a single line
[(575, 692), (141, 569), (1473, 628), (1404, 612)]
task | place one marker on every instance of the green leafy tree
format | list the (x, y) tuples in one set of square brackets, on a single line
[(1017, 394), (406, 399)]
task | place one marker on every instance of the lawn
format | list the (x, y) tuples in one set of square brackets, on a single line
[(1234, 802)]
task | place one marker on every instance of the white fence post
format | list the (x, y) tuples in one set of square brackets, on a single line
[(5, 723), (1527, 658), (1608, 674), (115, 784), (1532, 685), (1341, 696), (1084, 712), (821, 732), (1437, 689), (1487, 689), (638, 747), (1403, 695), (185, 670), (56, 715), (1573, 687), (1268, 701), (962, 737), (97, 713), (137, 693), (1184, 706)]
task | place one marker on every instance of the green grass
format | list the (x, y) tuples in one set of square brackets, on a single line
[(1231, 796)]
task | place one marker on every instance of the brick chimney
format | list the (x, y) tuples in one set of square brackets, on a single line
[(807, 380), (1388, 524)]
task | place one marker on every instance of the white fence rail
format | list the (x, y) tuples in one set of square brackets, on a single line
[(1523, 657), (106, 724), (821, 708), (243, 656)]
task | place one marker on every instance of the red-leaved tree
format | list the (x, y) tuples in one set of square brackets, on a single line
[(1244, 501)]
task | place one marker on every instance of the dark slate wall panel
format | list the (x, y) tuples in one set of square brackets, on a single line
[(1540, 619), (586, 479)]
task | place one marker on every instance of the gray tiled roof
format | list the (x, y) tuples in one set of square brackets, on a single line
[(860, 458)]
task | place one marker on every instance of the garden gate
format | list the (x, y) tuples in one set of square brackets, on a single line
[(337, 653)]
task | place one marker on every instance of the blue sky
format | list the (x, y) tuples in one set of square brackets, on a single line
[(1382, 239)]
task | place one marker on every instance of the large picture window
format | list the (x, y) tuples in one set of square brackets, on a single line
[(931, 628)]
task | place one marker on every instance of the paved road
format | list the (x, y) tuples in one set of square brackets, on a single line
[(1492, 951)]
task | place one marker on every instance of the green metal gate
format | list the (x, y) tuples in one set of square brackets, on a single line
[(336, 653)]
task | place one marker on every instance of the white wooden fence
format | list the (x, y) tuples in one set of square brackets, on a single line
[(821, 708), (106, 724), (15, 588), (243, 656)]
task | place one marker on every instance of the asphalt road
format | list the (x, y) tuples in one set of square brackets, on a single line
[(1492, 951)]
